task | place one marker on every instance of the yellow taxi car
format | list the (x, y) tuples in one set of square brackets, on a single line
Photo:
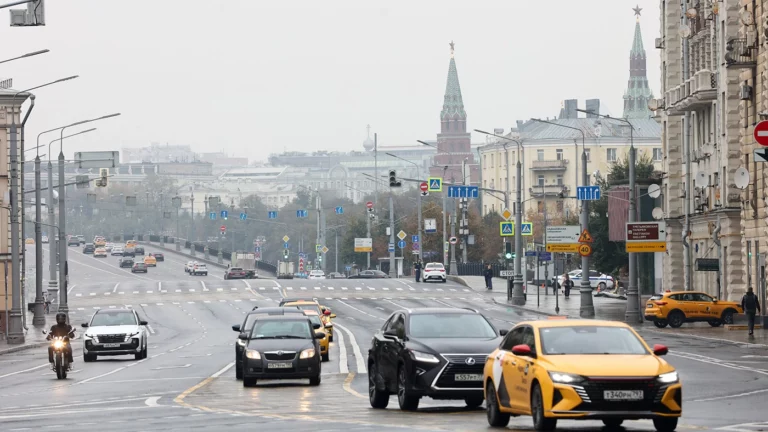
[(325, 343), (100, 252), (580, 369), (29, 240), (679, 307), (324, 312), (130, 243), (150, 261)]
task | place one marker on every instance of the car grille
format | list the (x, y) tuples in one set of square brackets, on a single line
[(111, 338), (276, 356), (591, 392), (457, 364)]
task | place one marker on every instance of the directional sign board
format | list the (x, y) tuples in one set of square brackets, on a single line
[(401, 235), (212, 215), (401, 244), (243, 216), (507, 273), (646, 237), (588, 193), (272, 214), (463, 192), (545, 256), (414, 239), (761, 133), (526, 229), (301, 213), (563, 248), (563, 234), (363, 245), (435, 184), (530, 253), (339, 210), (506, 229), (430, 226)]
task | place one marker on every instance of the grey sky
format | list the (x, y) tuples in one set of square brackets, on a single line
[(252, 77)]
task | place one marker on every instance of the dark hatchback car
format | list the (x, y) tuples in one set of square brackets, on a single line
[(282, 347), (235, 273), (139, 267), (370, 274), (158, 256), (129, 252), (89, 248), (434, 352), (245, 330), (138, 250), (125, 262)]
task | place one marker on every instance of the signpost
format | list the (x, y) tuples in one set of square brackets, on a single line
[(286, 238), (272, 214), (526, 229), (761, 133), (243, 216), (585, 250), (415, 246), (363, 245), (506, 229), (97, 159), (391, 247), (401, 235), (453, 240), (223, 229), (224, 214), (212, 215), (435, 184), (463, 192), (339, 210), (325, 249), (424, 187), (506, 214), (588, 193), (401, 244), (563, 238), (507, 273), (545, 256), (414, 239), (301, 213), (646, 237), (430, 226), (318, 248)]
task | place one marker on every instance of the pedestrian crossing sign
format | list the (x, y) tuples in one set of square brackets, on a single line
[(506, 229), (435, 184), (527, 229)]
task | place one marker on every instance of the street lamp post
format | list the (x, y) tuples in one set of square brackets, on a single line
[(192, 227), (587, 309), (31, 54), (176, 202)]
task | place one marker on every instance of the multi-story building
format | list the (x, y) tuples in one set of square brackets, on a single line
[(703, 52), (158, 153)]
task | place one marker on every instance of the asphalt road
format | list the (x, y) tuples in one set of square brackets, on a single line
[(187, 382)]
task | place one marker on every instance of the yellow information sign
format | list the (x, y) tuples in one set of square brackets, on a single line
[(563, 247), (646, 247)]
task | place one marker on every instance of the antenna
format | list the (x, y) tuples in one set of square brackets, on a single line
[(658, 213), (701, 180), (654, 191), (741, 178)]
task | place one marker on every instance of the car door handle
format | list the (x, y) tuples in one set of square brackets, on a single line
[(512, 363)]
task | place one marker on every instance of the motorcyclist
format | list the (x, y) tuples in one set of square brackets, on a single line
[(61, 329)]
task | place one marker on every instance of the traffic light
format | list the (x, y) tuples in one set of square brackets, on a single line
[(393, 182), (319, 259), (285, 254), (508, 251), (103, 174)]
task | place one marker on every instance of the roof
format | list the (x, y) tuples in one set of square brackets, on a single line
[(637, 43), (453, 104), (311, 313), (436, 310), (299, 302), (270, 310), (289, 317), (114, 310), (574, 323), (593, 128)]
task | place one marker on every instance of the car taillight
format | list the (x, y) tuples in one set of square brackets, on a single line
[(660, 303), (442, 270)]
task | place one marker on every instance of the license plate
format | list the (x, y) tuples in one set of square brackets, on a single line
[(468, 377), (622, 395), (279, 365), (111, 345)]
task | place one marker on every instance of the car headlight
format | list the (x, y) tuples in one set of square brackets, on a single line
[(307, 353), (565, 378), (241, 342), (668, 378), (253, 354), (424, 357)]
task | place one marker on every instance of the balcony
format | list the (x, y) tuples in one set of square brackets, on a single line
[(740, 53), (550, 190), (549, 165), (695, 93)]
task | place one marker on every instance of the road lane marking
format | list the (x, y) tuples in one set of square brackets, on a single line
[(359, 359), (247, 285), (159, 286), (151, 330), (71, 288), (100, 376), (152, 402), (115, 288), (223, 370), (343, 366), (173, 367), (361, 311), (202, 283)]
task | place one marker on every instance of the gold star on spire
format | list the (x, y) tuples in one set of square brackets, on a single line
[(451, 44)]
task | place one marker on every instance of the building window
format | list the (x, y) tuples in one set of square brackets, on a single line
[(657, 155), (541, 206), (560, 206), (559, 153), (541, 180), (588, 152), (610, 154), (540, 155), (492, 161), (559, 179), (485, 160), (485, 184)]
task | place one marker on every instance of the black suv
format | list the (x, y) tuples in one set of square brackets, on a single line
[(88, 248), (245, 330), (435, 352), (138, 250), (125, 262), (282, 347), (129, 252)]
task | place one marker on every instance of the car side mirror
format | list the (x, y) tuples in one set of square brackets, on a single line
[(329, 325), (319, 335), (242, 337), (84, 325), (522, 351), (143, 323), (316, 326), (660, 350), (503, 332), (333, 315), (236, 327), (714, 300)]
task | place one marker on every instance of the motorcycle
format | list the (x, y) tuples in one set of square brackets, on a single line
[(60, 362)]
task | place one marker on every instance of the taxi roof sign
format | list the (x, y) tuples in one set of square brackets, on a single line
[(585, 237)]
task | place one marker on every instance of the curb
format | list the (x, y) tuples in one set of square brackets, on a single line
[(523, 308), (23, 347), (459, 280)]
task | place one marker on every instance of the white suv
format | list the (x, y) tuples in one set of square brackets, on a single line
[(115, 332), (198, 269), (596, 279), (434, 271)]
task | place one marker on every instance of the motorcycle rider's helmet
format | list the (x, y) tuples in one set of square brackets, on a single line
[(61, 318)]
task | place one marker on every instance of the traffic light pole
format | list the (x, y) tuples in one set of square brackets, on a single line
[(392, 270), (518, 297)]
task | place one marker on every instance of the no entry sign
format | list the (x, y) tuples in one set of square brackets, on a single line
[(424, 186), (761, 133), (369, 204)]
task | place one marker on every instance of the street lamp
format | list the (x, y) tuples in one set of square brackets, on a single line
[(31, 54), (587, 309)]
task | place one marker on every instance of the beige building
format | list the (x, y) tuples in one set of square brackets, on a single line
[(701, 116)]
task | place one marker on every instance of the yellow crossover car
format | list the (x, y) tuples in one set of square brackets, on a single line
[(150, 261), (580, 369), (314, 318), (676, 308), (305, 305)]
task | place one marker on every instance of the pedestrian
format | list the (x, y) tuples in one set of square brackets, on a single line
[(417, 270), (751, 307), (488, 273), (567, 285)]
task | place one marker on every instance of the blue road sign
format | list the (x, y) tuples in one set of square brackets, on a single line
[(435, 184), (530, 253), (463, 192), (257, 248), (301, 213), (416, 246), (286, 245), (507, 228), (401, 244), (272, 214), (212, 215), (224, 214), (348, 268), (526, 228), (414, 239), (588, 193), (545, 256), (339, 210), (302, 255), (391, 247), (243, 216)]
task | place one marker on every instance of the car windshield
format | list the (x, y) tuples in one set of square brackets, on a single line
[(315, 320), (288, 329), (435, 266), (450, 325), (585, 340), (113, 319)]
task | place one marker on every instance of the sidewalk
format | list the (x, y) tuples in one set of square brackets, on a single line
[(33, 338)]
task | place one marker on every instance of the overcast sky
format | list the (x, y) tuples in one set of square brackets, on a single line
[(252, 77)]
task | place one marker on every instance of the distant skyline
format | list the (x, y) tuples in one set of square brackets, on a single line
[(252, 78)]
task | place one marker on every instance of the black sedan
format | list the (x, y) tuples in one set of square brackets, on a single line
[(89, 248), (138, 250), (282, 347), (434, 352), (235, 273), (139, 267), (245, 330), (125, 262), (158, 256), (129, 252), (370, 274)]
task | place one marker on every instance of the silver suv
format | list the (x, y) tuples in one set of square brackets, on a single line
[(115, 332)]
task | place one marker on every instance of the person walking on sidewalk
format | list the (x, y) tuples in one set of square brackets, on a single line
[(488, 273), (417, 270), (567, 285), (751, 307)]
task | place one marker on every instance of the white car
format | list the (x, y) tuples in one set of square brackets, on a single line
[(114, 332), (109, 247), (596, 279), (434, 271), (198, 269), (317, 274), (190, 264), (116, 250)]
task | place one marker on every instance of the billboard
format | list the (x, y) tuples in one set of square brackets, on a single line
[(97, 159), (363, 245)]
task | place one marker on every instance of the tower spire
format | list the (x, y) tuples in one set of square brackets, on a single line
[(638, 93), (453, 104)]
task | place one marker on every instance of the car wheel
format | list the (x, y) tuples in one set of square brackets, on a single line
[(474, 401), (728, 317), (407, 400), (330, 338), (238, 370), (88, 358), (315, 381), (676, 319), (601, 286), (612, 423), (715, 323), (139, 355), (660, 323), (378, 398), (444, 281), (325, 357), (496, 418), (249, 382), (665, 424), (540, 423)]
